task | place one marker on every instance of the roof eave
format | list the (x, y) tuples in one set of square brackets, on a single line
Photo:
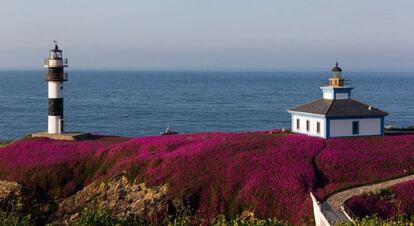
[(355, 116), (305, 113)]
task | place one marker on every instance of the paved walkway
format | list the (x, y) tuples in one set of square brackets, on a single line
[(332, 206)]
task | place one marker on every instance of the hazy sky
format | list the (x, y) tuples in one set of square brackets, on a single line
[(210, 34)]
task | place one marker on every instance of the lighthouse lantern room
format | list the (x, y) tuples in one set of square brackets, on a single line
[(55, 76)]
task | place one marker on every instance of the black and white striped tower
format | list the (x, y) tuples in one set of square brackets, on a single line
[(55, 76)]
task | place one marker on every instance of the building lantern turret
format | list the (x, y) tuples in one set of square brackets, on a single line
[(337, 88), (336, 79)]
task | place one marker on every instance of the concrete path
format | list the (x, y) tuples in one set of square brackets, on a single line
[(332, 205)]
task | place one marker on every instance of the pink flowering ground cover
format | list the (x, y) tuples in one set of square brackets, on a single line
[(387, 203), (225, 173), (353, 161), (58, 167), (268, 173)]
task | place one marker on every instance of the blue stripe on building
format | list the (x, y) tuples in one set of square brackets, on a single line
[(328, 128)]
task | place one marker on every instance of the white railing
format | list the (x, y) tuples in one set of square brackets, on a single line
[(347, 83), (56, 62), (65, 62), (348, 212)]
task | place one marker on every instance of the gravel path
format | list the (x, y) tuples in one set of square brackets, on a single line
[(332, 205)]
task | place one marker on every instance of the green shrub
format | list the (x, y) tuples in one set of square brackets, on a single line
[(92, 217), (182, 217), (14, 219), (385, 193), (100, 217), (221, 221), (376, 221)]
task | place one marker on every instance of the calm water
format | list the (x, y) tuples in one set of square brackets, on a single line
[(144, 103)]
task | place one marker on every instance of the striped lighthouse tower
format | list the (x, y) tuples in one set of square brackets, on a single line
[(55, 76)]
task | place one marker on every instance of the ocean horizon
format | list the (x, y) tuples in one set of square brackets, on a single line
[(143, 103)]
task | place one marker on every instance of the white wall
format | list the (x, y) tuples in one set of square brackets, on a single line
[(320, 219), (54, 125), (328, 94), (343, 127), (341, 96), (339, 93), (55, 89), (313, 119)]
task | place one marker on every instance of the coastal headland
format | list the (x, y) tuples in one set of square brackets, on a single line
[(265, 174)]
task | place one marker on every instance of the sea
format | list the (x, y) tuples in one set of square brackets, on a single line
[(144, 103)]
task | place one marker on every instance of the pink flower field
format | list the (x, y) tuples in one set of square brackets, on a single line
[(395, 201), (268, 173), (353, 161)]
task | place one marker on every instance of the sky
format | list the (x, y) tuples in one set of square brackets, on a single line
[(371, 35)]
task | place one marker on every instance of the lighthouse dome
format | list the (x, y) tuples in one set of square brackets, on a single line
[(336, 68)]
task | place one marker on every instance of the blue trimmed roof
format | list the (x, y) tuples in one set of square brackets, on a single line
[(341, 107)]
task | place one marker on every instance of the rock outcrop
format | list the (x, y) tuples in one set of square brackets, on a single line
[(118, 196), (15, 199), (11, 196)]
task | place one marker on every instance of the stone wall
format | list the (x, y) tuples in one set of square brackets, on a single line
[(320, 219)]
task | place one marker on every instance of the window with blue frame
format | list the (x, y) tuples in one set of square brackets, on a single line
[(355, 127)]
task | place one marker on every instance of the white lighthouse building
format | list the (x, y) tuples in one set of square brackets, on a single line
[(336, 114), (55, 76)]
